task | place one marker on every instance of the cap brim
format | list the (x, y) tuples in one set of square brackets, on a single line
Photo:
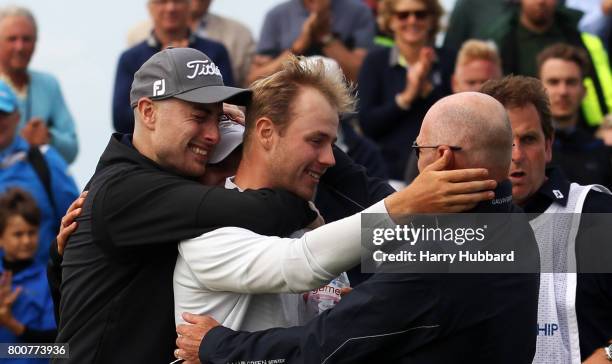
[(214, 94), (7, 107), (231, 136), (224, 149)]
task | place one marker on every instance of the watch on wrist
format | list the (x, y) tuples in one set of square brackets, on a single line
[(608, 350)]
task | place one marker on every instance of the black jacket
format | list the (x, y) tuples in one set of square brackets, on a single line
[(346, 189), (405, 318), (116, 291)]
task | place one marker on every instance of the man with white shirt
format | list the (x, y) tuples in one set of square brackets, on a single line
[(293, 153)]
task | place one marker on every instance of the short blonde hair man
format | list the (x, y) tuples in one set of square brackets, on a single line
[(273, 96), (477, 62)]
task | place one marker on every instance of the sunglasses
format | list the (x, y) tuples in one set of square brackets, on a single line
[(418, 14), (417, 148)]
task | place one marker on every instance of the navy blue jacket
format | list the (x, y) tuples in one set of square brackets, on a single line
[(382, 120), (364, 151), (405, 318), (131, 60), (347, 189)]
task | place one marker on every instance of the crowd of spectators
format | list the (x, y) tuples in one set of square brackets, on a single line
[(390, 52)]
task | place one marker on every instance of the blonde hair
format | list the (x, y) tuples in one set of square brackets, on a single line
[(273, 95), (478, 50)]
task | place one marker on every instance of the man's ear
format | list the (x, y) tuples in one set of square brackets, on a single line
[(440, 152), (147, 112), (548, 148), (265, 132), (583, 91)]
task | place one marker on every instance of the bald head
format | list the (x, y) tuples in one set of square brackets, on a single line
[(475, 122)]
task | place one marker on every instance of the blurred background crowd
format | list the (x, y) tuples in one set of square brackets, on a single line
[(83, 53)]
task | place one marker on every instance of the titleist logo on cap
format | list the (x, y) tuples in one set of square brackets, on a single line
[(202, 68), (186, 74)]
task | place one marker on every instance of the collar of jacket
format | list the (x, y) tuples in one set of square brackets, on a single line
[(500, 204), (153, 42), (121, 150)]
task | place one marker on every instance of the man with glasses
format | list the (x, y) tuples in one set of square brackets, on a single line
[(413, 318), (417, 148)]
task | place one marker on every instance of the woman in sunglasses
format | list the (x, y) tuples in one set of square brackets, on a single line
[(398, 84)]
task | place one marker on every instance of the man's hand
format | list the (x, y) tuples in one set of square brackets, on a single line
[(303, 41), (417, 83), (426, 59), (322, 24), (190, 336), (68, 224), (598, 357), (36, 132), (438, 191), (319, 6), (346, 290), (234, 113)]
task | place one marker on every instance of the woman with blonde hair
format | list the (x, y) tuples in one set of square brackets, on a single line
[(398, 84)]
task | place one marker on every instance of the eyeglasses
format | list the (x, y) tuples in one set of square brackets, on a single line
[(417, 148), (418, 14)]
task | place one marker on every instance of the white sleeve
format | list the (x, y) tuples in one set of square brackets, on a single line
[(239, 260)]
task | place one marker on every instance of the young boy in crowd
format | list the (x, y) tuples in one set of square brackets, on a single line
[(26, 308)]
